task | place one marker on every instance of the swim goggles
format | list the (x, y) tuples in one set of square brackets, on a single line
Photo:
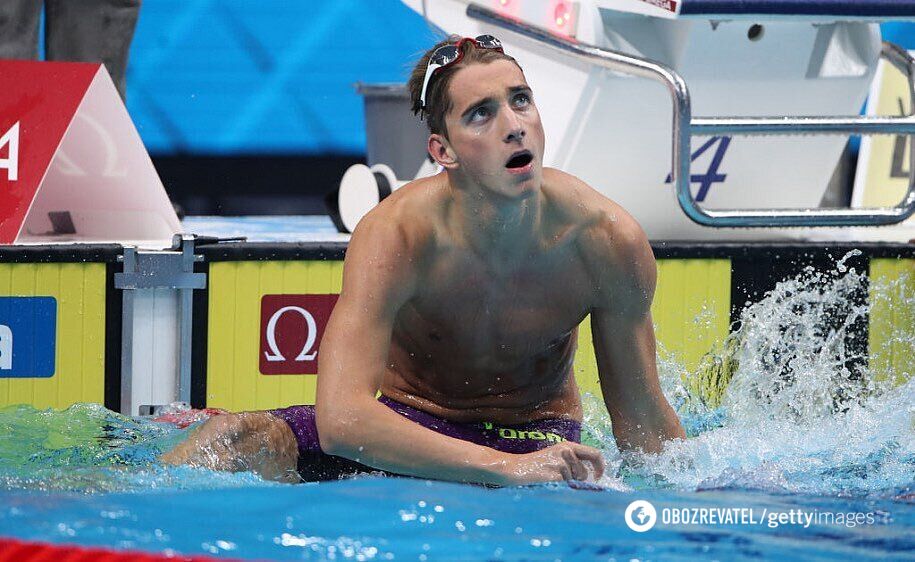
[(451, 54)]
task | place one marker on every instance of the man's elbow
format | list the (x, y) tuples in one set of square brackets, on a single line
[(335, 430)]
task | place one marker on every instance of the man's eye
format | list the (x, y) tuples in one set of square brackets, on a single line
[(522, 99), (479, 113)]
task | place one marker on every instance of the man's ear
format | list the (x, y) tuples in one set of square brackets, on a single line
[(441, 151)]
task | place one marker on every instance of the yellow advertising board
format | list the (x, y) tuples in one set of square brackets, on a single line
[(76, 343)]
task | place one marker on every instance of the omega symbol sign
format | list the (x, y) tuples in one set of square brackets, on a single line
[(291, 330)]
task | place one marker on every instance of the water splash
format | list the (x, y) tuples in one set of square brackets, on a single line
[(804, 409), (799, 358)]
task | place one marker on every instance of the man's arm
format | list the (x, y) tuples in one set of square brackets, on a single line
[(380, 276), (624, 340)]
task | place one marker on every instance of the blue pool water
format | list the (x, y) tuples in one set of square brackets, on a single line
[(795, 435), (403, 519)]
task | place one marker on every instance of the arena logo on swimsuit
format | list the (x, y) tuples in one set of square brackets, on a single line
[(291, 330), (509, 433), (512, 433)]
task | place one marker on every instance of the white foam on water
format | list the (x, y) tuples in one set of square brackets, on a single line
[(803, 413)]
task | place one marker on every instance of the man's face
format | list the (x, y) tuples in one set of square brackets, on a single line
[(494, 129)]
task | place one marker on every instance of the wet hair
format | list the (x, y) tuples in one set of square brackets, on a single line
[(438, 99)]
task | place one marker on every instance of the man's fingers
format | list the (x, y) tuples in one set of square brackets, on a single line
[(587, 453), (593, 456), (598, 463), (598, 469), (564, 470), (577, 469)]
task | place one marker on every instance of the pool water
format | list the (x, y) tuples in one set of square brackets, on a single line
[(817, 452), (403, 519)]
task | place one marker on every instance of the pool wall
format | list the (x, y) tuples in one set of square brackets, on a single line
[(257, 325)]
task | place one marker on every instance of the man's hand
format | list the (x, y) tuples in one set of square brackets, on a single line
[(563, 461)]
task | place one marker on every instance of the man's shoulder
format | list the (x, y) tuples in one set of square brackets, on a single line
[(612, 244), (606, 227), (389, 247), (403, 220)]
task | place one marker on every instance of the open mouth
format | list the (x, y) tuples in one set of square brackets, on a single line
[(520, 159)]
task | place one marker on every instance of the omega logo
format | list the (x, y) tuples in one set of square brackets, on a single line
[(291, 328), (304, 355)]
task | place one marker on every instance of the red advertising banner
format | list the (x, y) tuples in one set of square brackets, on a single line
[(291, 331), (72, 165)]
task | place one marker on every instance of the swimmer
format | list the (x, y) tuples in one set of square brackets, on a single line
[(462, 294)]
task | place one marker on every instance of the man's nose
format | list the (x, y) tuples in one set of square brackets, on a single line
[(514, 126)]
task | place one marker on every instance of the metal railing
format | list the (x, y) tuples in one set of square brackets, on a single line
[(685, 126)]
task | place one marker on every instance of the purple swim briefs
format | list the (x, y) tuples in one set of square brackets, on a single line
[(314, 464)]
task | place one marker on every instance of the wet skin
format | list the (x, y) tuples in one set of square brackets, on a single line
[(483, 342)]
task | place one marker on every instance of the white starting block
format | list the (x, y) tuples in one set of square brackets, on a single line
[(764, 59)]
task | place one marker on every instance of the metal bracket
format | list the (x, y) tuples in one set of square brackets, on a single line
[(166, 269)]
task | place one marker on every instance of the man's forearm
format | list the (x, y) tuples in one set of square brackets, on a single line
[(648, 433), (370, 433)]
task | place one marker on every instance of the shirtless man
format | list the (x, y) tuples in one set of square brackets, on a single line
[(462, 294)]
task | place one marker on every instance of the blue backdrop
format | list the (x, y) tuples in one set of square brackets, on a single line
[(264, 76)]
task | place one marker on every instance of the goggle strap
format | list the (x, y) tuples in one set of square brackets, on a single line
[(481, 41), (422, 95)]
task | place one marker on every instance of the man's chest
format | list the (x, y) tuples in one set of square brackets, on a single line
[(464, 305)]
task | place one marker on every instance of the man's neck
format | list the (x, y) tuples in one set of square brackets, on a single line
[(503, 232)]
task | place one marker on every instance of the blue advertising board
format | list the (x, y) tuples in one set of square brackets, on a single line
[(28, 334)]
